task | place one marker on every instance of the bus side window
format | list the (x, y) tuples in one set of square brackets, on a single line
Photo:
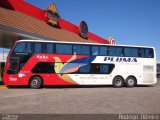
[(103, 50), (44, 67), (77, 49), (95, 68), (149, 53), (95, 50), (63, 49), (131, 52), (140, 52), (115, 51), (50, 48), (119, 51), (104, 69), (85, 69), (29, 48), (146, 53), (44, 48), (37, 48), (85, 49)]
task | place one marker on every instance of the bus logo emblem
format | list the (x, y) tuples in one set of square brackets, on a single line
[(120, 59)]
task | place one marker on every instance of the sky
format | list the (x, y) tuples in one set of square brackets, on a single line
[(129, 22)]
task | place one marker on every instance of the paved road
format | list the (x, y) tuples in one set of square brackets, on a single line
[(93, 100)]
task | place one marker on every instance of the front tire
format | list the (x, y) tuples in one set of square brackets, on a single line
[(131, 82), (118, 82), (35, 83)]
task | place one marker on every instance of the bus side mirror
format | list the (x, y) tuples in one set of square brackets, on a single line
[(2, 65)]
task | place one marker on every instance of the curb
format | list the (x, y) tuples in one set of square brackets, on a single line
[(3, 87)]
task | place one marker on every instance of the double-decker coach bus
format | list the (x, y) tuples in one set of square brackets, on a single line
[(39, 62)]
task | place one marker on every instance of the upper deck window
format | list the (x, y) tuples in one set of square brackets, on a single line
[(23, 47), (95, 50), (103, 50), (77, 49), (82, 49), (38, 47), (85, 50), (50, 48), (147, 53), (63, 49), (130, 52), (115, 51)]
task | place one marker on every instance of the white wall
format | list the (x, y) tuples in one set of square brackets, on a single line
[(3, 57)]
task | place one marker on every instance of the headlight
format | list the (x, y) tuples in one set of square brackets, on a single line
[(21, 74)]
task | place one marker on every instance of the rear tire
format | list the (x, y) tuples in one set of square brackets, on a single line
[(118, 82), (36, 82), (131, 82)]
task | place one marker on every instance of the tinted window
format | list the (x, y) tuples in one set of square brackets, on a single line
[(95, 50), (14, 65), (131, 52), (85, 50), (63, 49), (23, 48), (101, 68), (103, 50), (85, 69), (44, 67), (20, 47), (95, 68), (77, 49), (44, 48), (104, 69), (115, 51), (148, 53), (50, 48), (29, 48), (37, 48)]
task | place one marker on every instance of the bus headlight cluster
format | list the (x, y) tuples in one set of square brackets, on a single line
[(21, 74)]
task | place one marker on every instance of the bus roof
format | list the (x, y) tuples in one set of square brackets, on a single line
[(45, 41)]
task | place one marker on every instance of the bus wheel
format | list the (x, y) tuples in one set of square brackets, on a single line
[(35, 83), (118, 82), (130, 82)]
